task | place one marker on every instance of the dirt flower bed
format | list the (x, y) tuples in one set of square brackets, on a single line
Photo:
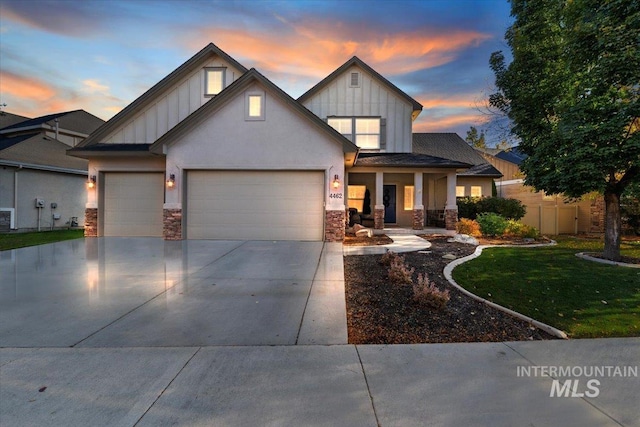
[(381, 313)]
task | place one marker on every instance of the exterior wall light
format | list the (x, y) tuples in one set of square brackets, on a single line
[(171, 181), (336, 182), (91, 182)]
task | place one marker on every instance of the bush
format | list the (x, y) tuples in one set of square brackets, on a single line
[(471, 207), (387, 258), (399, 272), (427, 293), (468, 226), (518, 229), (492, 224)]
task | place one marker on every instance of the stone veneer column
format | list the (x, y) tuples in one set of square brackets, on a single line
[(334, 226), (450, 218), (378, 218), (418, 219), (91, 222), (172, 219)]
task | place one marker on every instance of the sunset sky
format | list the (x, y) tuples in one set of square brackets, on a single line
[(101, 55)]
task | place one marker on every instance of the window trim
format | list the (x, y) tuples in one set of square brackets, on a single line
[(247, 106), (464, 190), (223, 70), (475, 187)]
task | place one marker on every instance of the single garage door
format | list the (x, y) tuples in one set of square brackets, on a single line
[(133, 204), (255, 205)]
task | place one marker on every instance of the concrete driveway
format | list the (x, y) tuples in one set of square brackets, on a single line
[(146, 292)]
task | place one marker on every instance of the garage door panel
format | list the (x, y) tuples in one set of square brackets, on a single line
[(133, 204), (260, 205)]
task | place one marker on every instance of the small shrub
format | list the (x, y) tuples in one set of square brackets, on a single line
[(492, 224), (518, 229), (471, 207), (399, 272), (427, 293), (388, 257), (468, 226)]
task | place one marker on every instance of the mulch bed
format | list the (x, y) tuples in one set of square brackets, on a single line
[(352, 240), (382, 313)]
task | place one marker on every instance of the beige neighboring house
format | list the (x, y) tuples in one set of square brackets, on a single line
[(550, 214), (42, 188), (217, 151)]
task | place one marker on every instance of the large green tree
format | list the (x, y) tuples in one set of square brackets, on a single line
[(572, 91), (475, 139)]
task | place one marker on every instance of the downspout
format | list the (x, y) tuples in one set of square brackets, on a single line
[(57, 128)]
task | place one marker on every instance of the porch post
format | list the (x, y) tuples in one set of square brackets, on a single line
[(378, 212), (451, 208), (418, 207)]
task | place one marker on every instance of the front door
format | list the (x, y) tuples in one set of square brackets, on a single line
[(389, 200)]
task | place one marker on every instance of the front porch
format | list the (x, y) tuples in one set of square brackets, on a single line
[(420, 200)]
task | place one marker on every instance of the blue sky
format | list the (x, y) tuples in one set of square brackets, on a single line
[(101, 55)]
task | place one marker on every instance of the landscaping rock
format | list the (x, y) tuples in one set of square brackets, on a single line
[(364, 232), (464, 238), (449, 256)]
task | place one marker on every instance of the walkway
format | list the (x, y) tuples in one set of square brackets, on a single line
[(401, 243)]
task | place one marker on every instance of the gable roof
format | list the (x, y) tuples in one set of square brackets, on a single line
[(77, 121), (38, 149), (150, 95), (512, 155), (451, 146), (8, 119), (231, 92), (417, 107)]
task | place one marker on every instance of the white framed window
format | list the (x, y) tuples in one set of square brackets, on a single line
[(214, 80), (459, 190), (365, 132), (354, 79), (476, 191), (255, 106), (355, 196), (408, 197)]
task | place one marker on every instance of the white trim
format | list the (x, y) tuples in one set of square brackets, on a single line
[(223, 70), (247, 105)]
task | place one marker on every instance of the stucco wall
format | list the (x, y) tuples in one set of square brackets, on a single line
[(283, 141), (66, 190)]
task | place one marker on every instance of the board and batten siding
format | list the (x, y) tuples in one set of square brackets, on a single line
[(170, 108), (370, 99)]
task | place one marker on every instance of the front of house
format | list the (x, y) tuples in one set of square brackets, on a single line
[(216, 151)]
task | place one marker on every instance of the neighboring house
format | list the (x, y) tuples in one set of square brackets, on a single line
[(550, 214), (40, 186), (218, 151)]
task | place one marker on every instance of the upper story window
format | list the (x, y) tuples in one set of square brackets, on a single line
[(214, 81), (254, 106), (365, 132)]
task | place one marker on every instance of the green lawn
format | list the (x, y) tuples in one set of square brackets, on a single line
[(583, 298), (20, 240)]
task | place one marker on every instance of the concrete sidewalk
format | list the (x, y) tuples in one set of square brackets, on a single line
[(398, 385), (401, 243)]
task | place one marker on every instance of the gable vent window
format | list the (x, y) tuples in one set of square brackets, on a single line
[(213, 81), (355, 80)]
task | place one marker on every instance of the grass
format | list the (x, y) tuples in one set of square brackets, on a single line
[(550, 284), (21, 240)]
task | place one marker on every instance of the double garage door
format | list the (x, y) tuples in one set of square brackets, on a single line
[(237, 205), (255, 205)]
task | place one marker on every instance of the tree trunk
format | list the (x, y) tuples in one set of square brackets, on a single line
[(612, 226)]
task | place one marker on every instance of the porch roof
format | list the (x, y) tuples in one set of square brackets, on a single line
[(407, 160)]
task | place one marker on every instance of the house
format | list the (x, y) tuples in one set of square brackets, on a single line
[(551, 214), (217, 151), (40, 186)]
